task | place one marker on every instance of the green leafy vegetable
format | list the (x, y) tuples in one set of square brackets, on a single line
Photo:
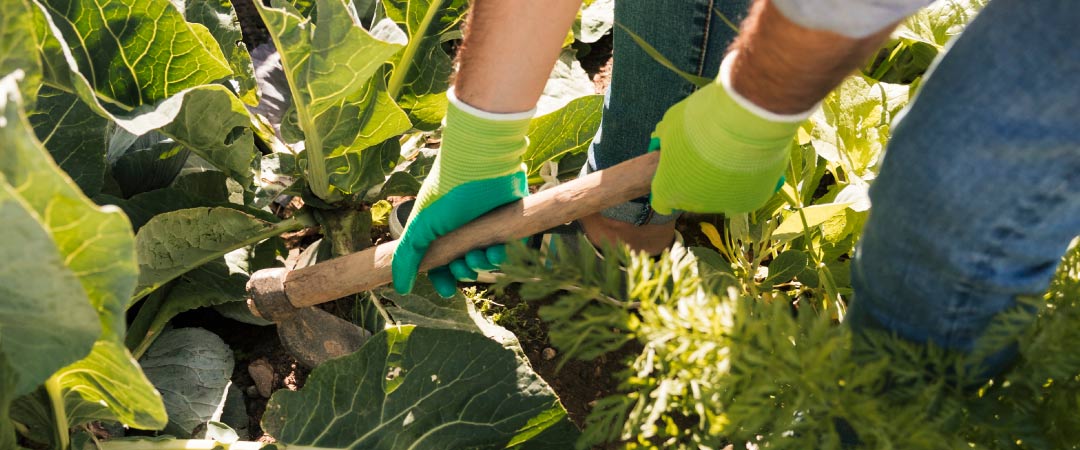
[(107, 383), (597, 18), (18, 48), (27, 317), (211, 284), (220, 19), (174, 243), (815, 215), (414, 375), (568, 81), (330, 63), (74, 136), (215, 125), (134, 52), (564, 132), (176, 103), (191, 368), (422, 70)]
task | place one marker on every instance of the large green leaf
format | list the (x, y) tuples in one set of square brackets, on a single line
[(422, 71), (97, 246), (191, 367), (211, 284), (567, 81), (566, 131), (109, 385), (190, 190), (74, 135), (411, 387), (208, 119), (596, 20), (218, 17), (852, 127), (423, 308), (48, 272), (37, 282), (793, 226), (18, 48), (38, 289), (176, 242), (135, 52), (215, 125), (329, 63), (355, 173)]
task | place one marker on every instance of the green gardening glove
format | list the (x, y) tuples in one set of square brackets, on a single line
[(720, 153), (478, 169)]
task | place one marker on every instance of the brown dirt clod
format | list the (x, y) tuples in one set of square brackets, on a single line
[(262, 373)]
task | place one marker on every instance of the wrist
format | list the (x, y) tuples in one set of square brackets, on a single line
[(480, 143), (725, 78), (727, 130)]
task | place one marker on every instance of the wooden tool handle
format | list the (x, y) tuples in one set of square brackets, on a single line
[(368, 269)]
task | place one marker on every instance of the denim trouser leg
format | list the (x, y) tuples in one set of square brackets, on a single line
[(979, 192), (693, 36)]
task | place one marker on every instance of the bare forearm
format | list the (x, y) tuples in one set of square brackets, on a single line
[(786, 68), (509, 49)]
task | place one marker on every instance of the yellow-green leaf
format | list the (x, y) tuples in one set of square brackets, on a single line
[(792, 226)]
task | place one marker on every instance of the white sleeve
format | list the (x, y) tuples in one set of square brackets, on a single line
[(851, 18)]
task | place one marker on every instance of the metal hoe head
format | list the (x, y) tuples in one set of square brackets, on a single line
[(310, 334)]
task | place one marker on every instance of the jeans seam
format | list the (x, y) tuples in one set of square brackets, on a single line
[(705, 39)]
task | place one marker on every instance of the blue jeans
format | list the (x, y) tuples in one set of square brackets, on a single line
[(979, 191), (694, 37)]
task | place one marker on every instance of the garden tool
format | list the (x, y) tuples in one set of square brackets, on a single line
[(286, 297)]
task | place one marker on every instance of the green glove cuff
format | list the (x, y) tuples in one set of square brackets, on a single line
[(719, 153), (476, 145)]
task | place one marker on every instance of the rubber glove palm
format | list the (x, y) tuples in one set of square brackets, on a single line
[(478, 169), (719, 152)]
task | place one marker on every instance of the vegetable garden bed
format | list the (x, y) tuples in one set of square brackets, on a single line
[(151, 162)]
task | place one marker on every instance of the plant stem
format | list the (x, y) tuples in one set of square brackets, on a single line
[(56, 398), (831, 294), (317, 178), (379, 307), (397, 79)]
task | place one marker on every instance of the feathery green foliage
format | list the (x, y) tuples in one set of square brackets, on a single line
[(719, 365)]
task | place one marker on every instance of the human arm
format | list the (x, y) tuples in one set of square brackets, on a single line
[(787, 68), (508, 51), (724, 148)]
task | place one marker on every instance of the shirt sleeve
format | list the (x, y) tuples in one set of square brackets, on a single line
[(851, 18)]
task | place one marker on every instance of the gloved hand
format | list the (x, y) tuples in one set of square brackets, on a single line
[(478, 169), (719, 152)]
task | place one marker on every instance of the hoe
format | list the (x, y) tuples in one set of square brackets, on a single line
[(287, 297)]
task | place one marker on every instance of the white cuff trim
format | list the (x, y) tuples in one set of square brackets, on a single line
[(725, 81), (452, 98)]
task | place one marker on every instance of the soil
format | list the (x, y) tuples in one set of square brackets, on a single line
[(579, 384), (596, 59)]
